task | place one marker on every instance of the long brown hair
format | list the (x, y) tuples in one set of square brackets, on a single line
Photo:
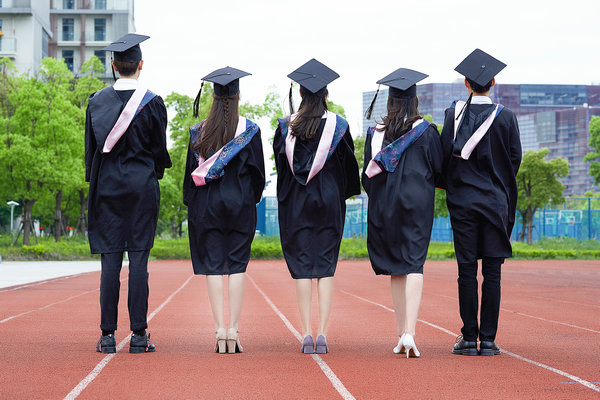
[(394, 123), (306, 124), (220, 126)]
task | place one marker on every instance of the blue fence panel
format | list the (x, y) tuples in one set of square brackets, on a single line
[(576, 219)]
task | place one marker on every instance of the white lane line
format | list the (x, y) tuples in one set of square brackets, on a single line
[(52, 304), (100, 366), (534, 317), (11, 289), (565, 301), (539, 364), (335, 381), (47, 306)]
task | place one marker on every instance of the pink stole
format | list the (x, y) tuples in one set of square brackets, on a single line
[(376, 144), (322, 148), (199, 174), (124, 120), (476, 137)]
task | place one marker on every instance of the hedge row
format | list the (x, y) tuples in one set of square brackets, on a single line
[(270, 248)]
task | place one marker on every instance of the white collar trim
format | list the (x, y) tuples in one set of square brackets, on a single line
[(126, 84), (481, 100)]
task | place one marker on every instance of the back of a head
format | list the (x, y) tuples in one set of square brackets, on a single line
[(308, 119), (220, 126), (402, 112)]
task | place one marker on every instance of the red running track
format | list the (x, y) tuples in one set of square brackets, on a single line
[(549, 333)]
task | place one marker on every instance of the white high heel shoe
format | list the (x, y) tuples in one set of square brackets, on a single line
[(399, 349), (410, 346)]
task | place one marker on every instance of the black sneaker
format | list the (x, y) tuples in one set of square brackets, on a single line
[(107, 344), (465, 347), (488, 348), (141, 344)]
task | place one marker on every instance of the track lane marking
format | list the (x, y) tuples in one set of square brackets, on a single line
[(534, 317), (23, 286), (52, 304), (577, 379), (47, 306), (564, 301), (335, 381), (100, 366)]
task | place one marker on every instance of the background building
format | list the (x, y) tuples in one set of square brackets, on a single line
[(81, 28), (73, 30), (552, 116), (25, 27)]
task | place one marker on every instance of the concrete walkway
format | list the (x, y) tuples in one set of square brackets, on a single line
[(14, 273)]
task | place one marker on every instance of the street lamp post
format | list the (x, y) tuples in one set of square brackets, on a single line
[(12, 205)]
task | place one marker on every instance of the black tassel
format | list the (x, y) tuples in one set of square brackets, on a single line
[(112, 68), (197, 101), (370, 109), (291, 100), (465, 106)]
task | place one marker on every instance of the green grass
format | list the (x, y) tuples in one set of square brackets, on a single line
[(264, 248)]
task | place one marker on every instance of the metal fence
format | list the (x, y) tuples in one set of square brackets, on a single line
[(577, 218)]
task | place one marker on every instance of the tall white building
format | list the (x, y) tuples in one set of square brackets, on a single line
[(25, 33), (81, 28), (73, 30)]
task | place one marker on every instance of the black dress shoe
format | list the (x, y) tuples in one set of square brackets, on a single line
[(465, 347), (488, 348), (107, 344), (141, 344)]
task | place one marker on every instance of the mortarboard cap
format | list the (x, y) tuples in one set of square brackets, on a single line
[(226, 83), (314, 76), (480, 67), (127, 48), (402, 83), (226, 80)]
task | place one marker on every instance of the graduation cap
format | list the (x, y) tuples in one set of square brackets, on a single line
[(127, 48), (480, 68), (313, 76), (226, 83), (402, 83)]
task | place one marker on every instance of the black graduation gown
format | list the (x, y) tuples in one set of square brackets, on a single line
[(124, 196), (222, 213), (311, 216), (401, 206), (482, 191)]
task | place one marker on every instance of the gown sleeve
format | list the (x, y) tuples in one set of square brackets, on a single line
[(350, 165), (436, 155), (366, 181), (516, 152), (256, 163), (446, 139), (187, 176), (159, 137), (90, 145)]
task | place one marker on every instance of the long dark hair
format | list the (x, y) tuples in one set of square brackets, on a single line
[(394, 123), (220, 126), (306, 124)]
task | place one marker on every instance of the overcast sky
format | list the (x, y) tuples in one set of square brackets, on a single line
[(541, 41)]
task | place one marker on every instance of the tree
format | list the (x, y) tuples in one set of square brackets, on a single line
[(538, 186), (43, 136), (594, 157)]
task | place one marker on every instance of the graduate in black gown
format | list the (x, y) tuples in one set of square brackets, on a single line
[(403, 163), (224, 179), (482, 154), (316, 173), (125, 155)]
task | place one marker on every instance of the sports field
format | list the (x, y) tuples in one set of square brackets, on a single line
[(549, 334)]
